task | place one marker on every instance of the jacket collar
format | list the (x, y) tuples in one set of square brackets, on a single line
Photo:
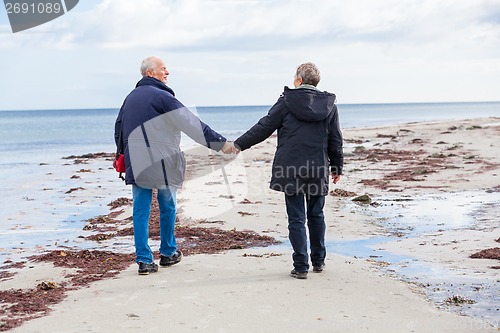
[(151, 81), (307, 86)]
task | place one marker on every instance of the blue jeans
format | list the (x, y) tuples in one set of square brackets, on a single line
[(296, 211), (142, 199)]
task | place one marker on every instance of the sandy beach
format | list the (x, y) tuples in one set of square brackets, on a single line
[(413, 175)]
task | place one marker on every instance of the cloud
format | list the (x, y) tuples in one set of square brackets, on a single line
[(243, 51), (260, 24)]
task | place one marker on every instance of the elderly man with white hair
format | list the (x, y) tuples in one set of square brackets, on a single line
[(148, 129)]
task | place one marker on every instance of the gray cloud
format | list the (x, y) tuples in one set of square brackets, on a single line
[(247, 49), (245, 25)]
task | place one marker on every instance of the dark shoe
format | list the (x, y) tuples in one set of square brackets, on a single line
[(145, 269), (298, 275), (318, 268), (172, 260)]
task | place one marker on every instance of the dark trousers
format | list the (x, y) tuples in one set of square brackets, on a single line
[(296, 211)]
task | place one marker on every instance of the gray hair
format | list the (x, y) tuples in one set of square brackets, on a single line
[(309, 73), (148, 64)]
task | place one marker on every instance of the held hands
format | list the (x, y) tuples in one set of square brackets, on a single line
[(229, 148)]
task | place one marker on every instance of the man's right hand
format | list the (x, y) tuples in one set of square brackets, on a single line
[(335, 178)]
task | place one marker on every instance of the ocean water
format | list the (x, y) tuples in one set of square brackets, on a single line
[(25, 134), (36, 210)]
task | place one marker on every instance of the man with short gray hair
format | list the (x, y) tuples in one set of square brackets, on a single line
[(309, 149), (149, 127)]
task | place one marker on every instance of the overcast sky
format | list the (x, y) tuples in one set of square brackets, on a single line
[(242, 52)]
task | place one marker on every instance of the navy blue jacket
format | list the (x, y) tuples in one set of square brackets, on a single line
[(309, 141), (151, 120)]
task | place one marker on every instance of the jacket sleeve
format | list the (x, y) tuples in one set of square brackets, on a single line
[(118, 126), (264, 127), (213, 139), (335, 152), (187, 122)]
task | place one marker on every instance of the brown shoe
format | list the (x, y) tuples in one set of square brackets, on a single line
[(318, 268), (298, 275)]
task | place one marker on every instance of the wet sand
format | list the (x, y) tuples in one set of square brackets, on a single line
[(245, 288)]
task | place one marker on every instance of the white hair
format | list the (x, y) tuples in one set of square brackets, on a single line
[(148, 64)]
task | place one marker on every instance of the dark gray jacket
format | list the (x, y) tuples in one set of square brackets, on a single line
[(309, 141)]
